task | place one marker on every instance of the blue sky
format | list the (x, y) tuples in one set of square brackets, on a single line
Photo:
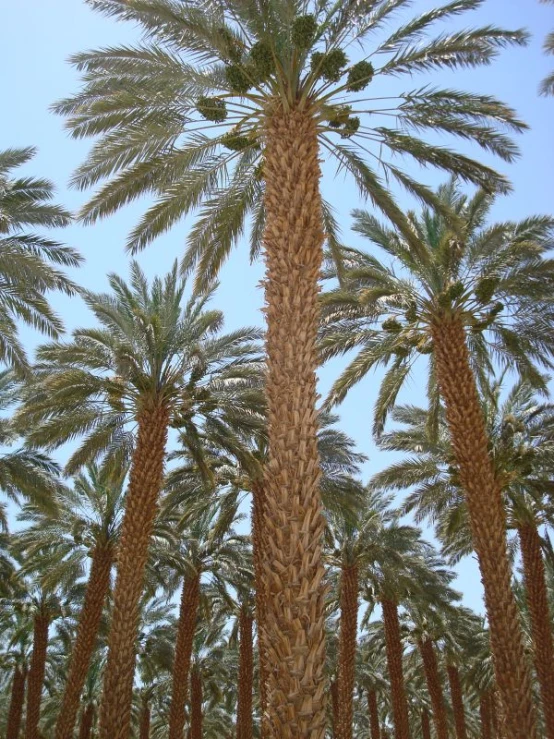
[(38, 36)]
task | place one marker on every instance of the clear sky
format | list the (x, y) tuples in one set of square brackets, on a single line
[(37, 37)]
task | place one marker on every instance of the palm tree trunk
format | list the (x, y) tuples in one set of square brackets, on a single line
[(97, 589), (294, 524), (144, 728), (425, 725), (17, 700), (35, 680), (485, 716), (140, 514), (393, 644), (246, 675), (457, 701), (347, 648), (190, 596), (432, 677), (335, 707), (85, 729), (196, 716), (258, 513), (468, 434), (375, 729), (541, 627)]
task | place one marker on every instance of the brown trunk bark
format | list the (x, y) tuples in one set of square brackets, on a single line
[(468, 434), (541, 627), (190, 596), (294, 524), (375, 729), (258, 533), (432, 677), (85, 729), (456, 696), (35, 680), (425, 725), (393, 644), (486, 716), (138, 522), (347, 648), (499, 728), (17, 700), (335, 707), (196, 716), (246, 675), (97, 589), (145, 720)]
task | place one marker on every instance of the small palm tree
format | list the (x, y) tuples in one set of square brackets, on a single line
[(460, 297), (229, 104), (154, 362), (28, 262)]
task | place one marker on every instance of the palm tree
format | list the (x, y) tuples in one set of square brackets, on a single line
[(153, 363), (28, 262), (85, 525), (17, 632), (462, 295), (274, 82), (547, 85)]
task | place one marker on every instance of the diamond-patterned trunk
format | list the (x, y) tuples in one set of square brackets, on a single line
[(144, 720), (456, 696), (17, 700), (87, 718), (347, 648), (293, 240), (375, 729), (393, 644), (432, 677), (485, 715), (425, 725), (483, 493), (196, 715), (35, 679)]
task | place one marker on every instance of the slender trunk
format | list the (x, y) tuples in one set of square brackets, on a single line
[(35, 680), (17, 700), (347, 648), (393, 644), (294, 524), (433, 679), (246, 675), (85, 729), (499, 728), (468, 434), (258, 513), (375, 730), (486, 716), (97, 589), (425, 725), (335, 707), (541, 627), (138, 522), (144, 720), (196, 717), (186, 627), (457, 701)]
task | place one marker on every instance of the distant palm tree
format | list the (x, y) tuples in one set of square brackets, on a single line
[(276, 86), (155, 361), (547, 85), (28, 261), (460, 297)]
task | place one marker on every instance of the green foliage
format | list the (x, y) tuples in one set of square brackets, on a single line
[(304, 29), (329, 65), (212, 109), (359, 76), (263, 60), (238, 79)]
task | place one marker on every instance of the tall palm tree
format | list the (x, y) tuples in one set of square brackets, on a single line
[(277, 88), (17, 633), (462, 295), (146, 366), (28, 262)]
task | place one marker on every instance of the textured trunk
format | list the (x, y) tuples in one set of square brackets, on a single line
[(196, 717), (457, 701), (246, 675), (488, 524), (145, 720), (138, 522), (83, 648), (293, 240), (499, 727), (541, 627), (375, 730), (394, 662), (425, 725), (35, 680), (486, 716), (258, 533), (85, 729), (335, 707), (186, 627), (17, 699), (347, 648), (433, 679)]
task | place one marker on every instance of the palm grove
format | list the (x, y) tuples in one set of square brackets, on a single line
[(132, 601)]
